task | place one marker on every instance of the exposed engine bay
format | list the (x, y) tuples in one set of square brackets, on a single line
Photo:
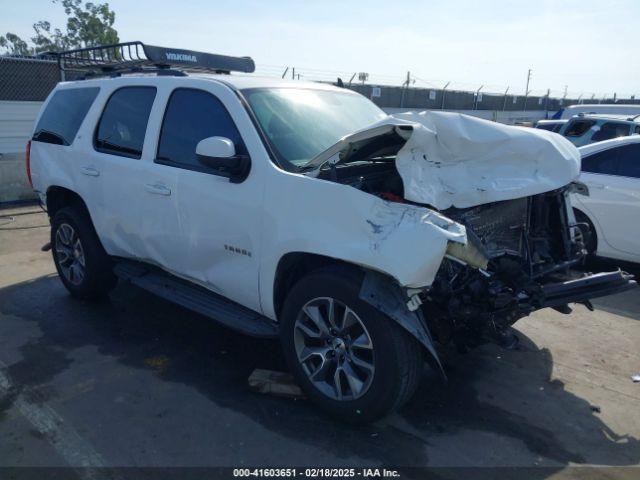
[(529, 245)]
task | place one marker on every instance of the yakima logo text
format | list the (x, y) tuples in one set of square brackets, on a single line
[(181, 57)]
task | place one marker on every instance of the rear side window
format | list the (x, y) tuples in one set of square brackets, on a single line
[(191, 116), (577, 128), (605, 162), (611, 130), (64, 114), (123, 124)]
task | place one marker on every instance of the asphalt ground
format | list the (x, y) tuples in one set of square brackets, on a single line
[(135, 381)]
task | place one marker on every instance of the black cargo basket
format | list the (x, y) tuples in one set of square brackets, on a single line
[(138, 57)]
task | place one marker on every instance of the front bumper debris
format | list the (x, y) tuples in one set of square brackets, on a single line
[(586, 288)]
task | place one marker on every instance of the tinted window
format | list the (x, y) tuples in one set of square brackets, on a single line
[(191, 116), (629, 157), (610, 130), (602, 162), (637, 130), (547, 126), (124, 121), (64, 114), (577, 128)]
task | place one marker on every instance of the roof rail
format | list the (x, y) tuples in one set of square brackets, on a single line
[(137, 57)]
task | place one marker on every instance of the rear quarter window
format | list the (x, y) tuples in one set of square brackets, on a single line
[(63, 115)]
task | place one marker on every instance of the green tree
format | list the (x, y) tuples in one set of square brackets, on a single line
[(88, 25)]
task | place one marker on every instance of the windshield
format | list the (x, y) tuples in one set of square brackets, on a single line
[(301, 123)]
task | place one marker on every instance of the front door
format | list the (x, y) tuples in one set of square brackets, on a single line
[(220, 221), (613, 178)]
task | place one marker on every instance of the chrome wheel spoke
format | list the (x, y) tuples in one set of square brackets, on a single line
[(362, 363), (363, 341), (355, 384), (320, 372), (315, 315), (310, 352)]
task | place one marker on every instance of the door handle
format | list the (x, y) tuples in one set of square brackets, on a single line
[(595, 185), (157, 189), (90, 171)]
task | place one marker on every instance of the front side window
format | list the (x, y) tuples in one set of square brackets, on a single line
[(301, 123), (64, 114), (605, 162), (630, 160), (193, 115), (123, 124), (577, 128), (611, 130)]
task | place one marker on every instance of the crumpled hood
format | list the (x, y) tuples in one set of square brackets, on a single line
[(450, 159)]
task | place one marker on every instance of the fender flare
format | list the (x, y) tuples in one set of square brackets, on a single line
[(385, 295)]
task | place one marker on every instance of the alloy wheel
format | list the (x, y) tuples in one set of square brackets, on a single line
[(334, 349), (70, 254)]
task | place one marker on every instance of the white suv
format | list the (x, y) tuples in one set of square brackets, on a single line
[(300, 210)]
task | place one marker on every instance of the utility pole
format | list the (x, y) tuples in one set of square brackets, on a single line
[(293, 73), (546, 104), (527, 91), (405, 85), (352, 77), (579, 99), (504, 104), (285, 72), (615, 96), (444, 90), (475, 99)]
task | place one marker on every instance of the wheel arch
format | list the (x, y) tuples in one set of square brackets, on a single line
[(378, 289), (59, 197), (293, 266), (582, 216)]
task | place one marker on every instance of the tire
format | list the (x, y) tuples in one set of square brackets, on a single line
[(396, 357), (82, 264)]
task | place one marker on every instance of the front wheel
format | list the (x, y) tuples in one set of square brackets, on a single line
[(349, 358)]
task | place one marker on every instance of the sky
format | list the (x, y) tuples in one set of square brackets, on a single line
[(588, 46)]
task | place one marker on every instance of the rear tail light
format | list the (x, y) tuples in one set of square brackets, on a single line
[(28, 157)]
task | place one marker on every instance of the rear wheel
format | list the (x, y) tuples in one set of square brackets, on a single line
[(82, 264), (349, 358)]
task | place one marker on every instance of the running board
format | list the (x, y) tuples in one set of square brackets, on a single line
[(196, 298)]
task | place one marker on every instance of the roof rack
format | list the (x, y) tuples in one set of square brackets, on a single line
[(132, 57)]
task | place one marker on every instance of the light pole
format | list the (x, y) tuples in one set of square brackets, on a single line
[(444, 89), (475, 100), (527, 91)]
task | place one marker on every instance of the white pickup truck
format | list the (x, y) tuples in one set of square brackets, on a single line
[(301, 210)]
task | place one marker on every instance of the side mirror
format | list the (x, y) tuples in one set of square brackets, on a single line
[(219, 154)]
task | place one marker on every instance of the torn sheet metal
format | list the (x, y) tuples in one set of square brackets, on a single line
[(463, 161), (450, 159)]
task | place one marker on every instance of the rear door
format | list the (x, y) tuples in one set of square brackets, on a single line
[(613, 178), (138, 217)]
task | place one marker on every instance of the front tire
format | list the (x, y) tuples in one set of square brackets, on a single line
[(82, 264), (350, 359)]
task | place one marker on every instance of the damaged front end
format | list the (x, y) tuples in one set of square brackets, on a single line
[(530, 247), (517, 246)]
